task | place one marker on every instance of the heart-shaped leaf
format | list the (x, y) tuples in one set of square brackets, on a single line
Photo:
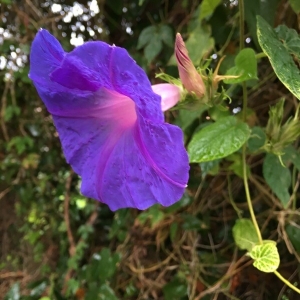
[(244, 234), (245, 67), (277, 177), (279, 53), (218, 140), (265, 256)]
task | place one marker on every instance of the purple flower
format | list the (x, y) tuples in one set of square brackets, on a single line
[(110, 123)]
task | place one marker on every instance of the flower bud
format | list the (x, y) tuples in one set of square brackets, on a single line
[(188, 74), (170, 94)]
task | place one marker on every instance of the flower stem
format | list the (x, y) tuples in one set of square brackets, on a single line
[(287, 282), (248, 197), (245, 104), (260, 55)]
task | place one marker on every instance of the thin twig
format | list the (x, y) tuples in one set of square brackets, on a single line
[(72, 246)]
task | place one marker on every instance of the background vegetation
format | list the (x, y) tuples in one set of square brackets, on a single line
[(56, 244)]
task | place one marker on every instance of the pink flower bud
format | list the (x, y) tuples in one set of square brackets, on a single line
[(188, 74), (170, 94)]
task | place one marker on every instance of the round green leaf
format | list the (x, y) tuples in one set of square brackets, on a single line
[(218, 140), (208, 7), (265, 256), (244, 234), (245, 67)]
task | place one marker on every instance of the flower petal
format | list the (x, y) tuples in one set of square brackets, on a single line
[(46, 55), (157, 172), (96, 64), (170, 94), (88, 138)]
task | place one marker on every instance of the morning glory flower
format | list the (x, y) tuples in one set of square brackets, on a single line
[(110, 123)]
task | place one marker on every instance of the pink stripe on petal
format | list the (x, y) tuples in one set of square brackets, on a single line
[(106, 105), (170, 94), (117, 107)]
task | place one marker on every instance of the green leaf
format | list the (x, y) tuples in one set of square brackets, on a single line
[(279, 56), (173, 231), (175, 289), (190, 222), (266, 257), (218, 140), (184, 201), (257, 139), (209, 167), (146, 36), (237, 165), (185, 117), (293, 232), (295, 4), (277, 177), (154, 214), (198, 44), (266, 9), (106, 293), (166, 35), (291, 154), (11, 111), (141, 2), (14, 292), (290, 39), (102, 266), (245, 67), (208, 7), (153, 48), (244, 234), (21, 143)]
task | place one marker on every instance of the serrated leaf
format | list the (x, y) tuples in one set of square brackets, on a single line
[(279, 56), (218, 140), (277, 177), (166, 35), (244, 234), (146, 36), (245, 67), (266, 257), (208, 7), (153, 48)]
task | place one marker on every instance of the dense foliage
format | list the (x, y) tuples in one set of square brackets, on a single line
[(238, 221)]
